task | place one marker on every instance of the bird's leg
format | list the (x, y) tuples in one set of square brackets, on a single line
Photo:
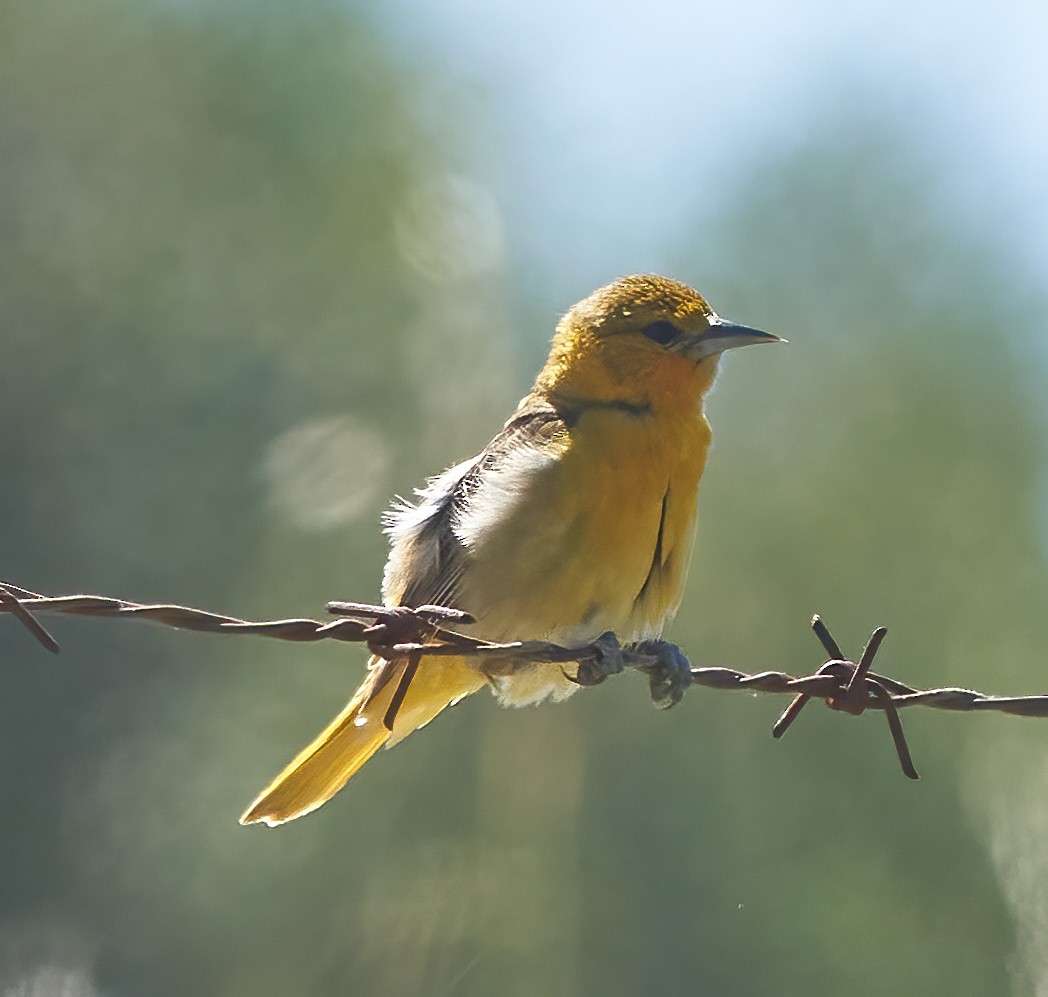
[(669, 673)]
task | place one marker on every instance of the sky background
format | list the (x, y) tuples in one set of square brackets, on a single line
[(615, 125)]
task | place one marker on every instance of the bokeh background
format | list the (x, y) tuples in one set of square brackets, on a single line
[(266, 265)]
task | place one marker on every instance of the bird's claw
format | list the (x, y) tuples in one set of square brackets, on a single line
[(607, 661), (669, 674)]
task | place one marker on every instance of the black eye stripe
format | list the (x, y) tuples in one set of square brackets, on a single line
[(661, 332)]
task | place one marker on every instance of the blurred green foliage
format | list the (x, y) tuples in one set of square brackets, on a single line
[(240, 280)]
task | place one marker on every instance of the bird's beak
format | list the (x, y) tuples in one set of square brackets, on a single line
[(723, 335)]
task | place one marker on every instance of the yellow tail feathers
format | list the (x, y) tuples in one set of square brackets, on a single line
[(326, 765)]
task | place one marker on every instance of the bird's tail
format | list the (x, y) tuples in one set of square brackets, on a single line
[(325, 766)]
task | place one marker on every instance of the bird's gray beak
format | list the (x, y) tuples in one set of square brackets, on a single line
[(723, 335)]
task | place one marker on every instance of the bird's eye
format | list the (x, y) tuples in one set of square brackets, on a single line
[(662, 332)]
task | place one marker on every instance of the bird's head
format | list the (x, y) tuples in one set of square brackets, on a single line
[(643, 340)]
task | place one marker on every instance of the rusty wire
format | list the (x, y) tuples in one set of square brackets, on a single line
[(426, 631)]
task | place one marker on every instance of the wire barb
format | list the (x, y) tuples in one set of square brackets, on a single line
[(11, 603), (859, 690), (413, 634)]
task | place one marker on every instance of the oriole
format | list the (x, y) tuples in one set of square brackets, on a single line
[(576, 519)]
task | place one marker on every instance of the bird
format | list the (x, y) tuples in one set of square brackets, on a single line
[(578, 518)]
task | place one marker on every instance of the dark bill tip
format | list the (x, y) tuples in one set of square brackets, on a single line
[(723, 335)]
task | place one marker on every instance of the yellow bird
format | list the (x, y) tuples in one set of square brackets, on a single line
[(577, 518)]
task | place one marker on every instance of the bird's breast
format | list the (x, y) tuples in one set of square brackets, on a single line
[(594, 536)]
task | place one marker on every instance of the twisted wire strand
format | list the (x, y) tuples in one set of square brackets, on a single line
[(429, 631)]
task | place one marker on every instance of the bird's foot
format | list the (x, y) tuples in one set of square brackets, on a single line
[(669, 673), (608, 661)]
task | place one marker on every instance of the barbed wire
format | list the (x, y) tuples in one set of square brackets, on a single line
[(429, 631)]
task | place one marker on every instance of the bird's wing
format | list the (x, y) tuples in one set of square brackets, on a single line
[(430, 550)]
